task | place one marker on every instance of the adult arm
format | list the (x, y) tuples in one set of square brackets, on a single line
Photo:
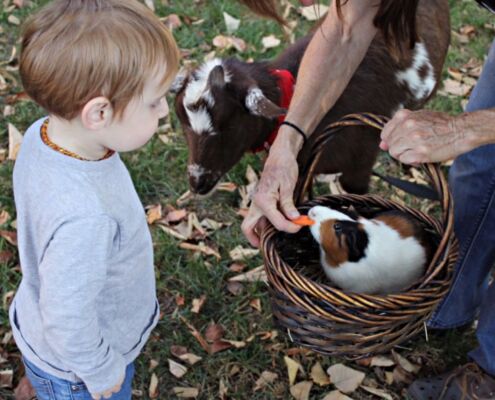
[(72, 274), (415, 137), (332, 57)]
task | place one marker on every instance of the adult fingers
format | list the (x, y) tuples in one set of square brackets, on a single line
[(389, 131), (249, 225)]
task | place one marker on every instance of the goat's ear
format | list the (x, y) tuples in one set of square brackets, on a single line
[(217, 77), (179, 81), (258, 104)]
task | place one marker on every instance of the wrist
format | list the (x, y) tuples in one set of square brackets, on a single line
[(289, 140)]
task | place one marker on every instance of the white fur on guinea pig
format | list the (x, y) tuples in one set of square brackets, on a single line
[(390, 261)]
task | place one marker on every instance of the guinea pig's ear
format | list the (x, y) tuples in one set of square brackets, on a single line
[(356, 239)]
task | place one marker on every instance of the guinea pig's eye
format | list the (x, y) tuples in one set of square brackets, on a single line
[(337, 227)]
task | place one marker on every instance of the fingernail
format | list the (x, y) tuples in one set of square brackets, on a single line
[(293, 214)]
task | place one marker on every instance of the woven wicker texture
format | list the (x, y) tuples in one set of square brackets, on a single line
[(316, 314)]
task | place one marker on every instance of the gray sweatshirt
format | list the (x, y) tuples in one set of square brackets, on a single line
[(87, 301)]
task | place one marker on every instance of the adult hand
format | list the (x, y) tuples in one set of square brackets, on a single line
[(414, 137), (273, 197), (108, 393)]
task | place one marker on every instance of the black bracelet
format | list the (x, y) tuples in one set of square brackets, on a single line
[(297, 129)]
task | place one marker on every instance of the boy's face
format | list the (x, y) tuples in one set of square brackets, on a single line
[(140, 119)]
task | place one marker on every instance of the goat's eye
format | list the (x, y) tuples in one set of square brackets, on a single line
[(337, 227)]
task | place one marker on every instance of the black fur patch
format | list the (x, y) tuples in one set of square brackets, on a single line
[(356, 239)]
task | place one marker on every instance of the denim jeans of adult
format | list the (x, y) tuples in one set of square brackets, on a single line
[(472, 181), (49, 387)]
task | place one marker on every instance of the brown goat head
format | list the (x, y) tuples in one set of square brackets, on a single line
[(223, 112)]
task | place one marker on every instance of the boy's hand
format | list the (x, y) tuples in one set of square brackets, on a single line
[(108, 393)]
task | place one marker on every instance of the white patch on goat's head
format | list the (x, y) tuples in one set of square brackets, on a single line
[(196, 171), (196, 90), (421, 87), (254, 96), (200, 121)]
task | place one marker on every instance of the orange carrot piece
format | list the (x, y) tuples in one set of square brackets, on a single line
[(303, 220)]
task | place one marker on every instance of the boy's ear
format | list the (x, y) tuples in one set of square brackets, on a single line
[(97, 113)]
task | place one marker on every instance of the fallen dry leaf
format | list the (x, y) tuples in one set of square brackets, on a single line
[(202, 248), (314, 12), (235, 288), (241, 253), (319, 376), (336, 395), (153, 213), (9, 236), (150, 4), (345, 379), (13, 20), (292, 368), (175, 216), (405, 364), (176, 369), (219, 345), (270, 41), (153, 365), (256, 304), (190, 358), (266, 378), (15, 140), (153, 388), (377, 392), (231, 23), (237, 267), (382, 361), (254, 275), (6, 378), (301, 390), (4, 217), (214, 332), (172, 21), (186, 392), (455, 88), (197, 304), (222, 390), (226, 42), (201, 340)]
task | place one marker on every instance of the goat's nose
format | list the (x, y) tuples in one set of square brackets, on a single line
[(201, 184)]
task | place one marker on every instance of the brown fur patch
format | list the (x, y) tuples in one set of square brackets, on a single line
[(336, 252), (402, 225)]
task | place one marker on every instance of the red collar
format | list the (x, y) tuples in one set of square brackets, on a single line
[(286, 82)]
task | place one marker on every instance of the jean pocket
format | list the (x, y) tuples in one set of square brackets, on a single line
[(42, 386)]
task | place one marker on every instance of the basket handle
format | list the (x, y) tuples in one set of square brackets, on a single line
[(437, 178)]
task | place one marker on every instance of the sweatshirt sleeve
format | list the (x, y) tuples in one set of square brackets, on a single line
[(72, 275)]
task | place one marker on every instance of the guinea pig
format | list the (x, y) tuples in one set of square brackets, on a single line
[(382, 255)]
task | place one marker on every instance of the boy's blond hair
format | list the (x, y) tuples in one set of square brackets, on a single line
[(76, 50)]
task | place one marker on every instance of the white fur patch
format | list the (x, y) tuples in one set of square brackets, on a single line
[(196, 89), (420, 87), (195, 171), (253, 97)]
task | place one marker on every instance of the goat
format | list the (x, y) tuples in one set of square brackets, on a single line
[(228, 107)]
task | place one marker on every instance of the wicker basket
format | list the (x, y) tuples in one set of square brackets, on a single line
[(351, 325)]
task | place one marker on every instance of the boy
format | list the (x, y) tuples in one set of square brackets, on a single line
[(87, 303)]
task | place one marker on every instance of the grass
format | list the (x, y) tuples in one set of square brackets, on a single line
[(159, 173)]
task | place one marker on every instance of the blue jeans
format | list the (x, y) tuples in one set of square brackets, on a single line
[(49, 387), (472, 181)]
